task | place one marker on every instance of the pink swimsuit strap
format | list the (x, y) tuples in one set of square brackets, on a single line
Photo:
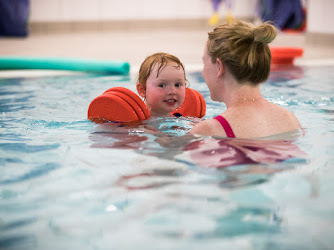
[(226, 126)]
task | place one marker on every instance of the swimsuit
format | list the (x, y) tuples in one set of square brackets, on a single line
[(177, 115), (226, 126)]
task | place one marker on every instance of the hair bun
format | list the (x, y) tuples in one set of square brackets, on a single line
[(264, 33)]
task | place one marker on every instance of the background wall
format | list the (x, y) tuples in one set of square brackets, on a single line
[(105, 10), (320, 17)]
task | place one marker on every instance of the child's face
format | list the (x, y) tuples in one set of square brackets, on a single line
[(166, 92)]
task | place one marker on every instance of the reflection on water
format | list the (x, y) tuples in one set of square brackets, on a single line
[(283, 74), (245, 161), (219, 153)]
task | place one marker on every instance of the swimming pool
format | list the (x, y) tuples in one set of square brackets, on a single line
[(67, 183)]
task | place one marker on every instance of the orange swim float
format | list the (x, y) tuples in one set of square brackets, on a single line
[(194, 104), (285, 55), (123, 105)]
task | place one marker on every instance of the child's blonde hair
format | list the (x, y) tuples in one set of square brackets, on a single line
[(243, 48), (161, 59)]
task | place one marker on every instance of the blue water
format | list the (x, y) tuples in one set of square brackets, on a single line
[(67, 183)]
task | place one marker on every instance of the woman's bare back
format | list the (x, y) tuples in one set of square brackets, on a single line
[(260, 120), (252, 121)]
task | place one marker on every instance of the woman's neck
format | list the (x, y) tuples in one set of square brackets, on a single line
[(240, 94)]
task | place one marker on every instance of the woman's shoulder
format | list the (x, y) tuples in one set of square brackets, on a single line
[(284, 119), (208, 127), (202, 128), (285, 114), (293, 119)]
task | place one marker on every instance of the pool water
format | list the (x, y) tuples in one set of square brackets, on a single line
[(68, 183)]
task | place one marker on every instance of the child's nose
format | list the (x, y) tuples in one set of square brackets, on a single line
[(172, 90)]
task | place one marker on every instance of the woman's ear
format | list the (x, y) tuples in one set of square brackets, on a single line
[(220, 66), (141, 90)]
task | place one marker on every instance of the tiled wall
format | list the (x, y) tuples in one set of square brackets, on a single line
[(106, 10)]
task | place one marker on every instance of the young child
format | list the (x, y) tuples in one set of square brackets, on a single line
[(162, 83)]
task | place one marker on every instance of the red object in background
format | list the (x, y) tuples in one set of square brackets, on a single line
[(285, 55)]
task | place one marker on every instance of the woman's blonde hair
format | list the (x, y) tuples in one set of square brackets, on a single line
[(243, 48), (161, 59)]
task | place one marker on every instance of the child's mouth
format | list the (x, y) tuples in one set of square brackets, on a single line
[(170, 102)]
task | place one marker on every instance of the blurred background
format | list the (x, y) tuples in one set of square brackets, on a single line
[(132, 29)]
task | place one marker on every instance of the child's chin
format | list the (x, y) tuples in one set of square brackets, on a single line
[(173, 109)]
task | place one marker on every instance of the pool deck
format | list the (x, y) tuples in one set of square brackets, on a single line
[(134, 45)]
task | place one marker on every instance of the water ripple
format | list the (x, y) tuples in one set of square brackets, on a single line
[(37, 172), (23, 147)]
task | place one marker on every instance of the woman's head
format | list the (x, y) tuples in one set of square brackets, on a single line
[(243, 49), (162, 82)]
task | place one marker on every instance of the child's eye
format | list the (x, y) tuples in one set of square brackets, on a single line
[(162, 85), (178, 84)]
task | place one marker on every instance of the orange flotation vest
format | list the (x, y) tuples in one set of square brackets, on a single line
[(120, 104)]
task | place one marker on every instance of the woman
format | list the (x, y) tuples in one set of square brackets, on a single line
[(236, 61)]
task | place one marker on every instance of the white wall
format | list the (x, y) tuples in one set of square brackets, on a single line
[(320, 16), (104, 10)]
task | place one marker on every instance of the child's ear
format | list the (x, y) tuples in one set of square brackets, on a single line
[(141, 90)]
